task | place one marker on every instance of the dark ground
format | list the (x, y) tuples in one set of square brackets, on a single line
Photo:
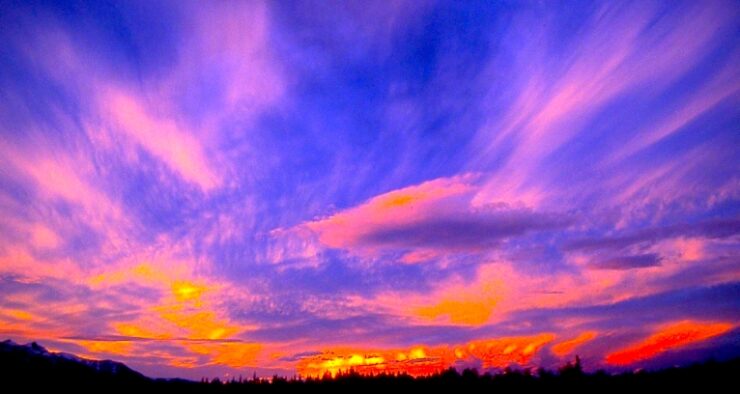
[(26, 368)]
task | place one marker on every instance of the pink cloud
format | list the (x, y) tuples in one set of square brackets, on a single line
[(424, 220), (227, 44), (720, 88), (497, 290), (655, 193), (397, 207), (44, 237), (58, 175), (163, 138), (603, 66), (233, 41), (501, 287)]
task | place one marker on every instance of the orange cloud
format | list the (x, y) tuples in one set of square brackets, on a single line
[(188, 291), (498, 289), (198, 336), (18, 314), (501, 352), (124, 348), (566, 347), (193, 323), (140, 330), (671, 337), (425, 360), (186, 309), (417, 361), (470, 308), (232, 354), (183, 314), (28, 324), (180, 352)]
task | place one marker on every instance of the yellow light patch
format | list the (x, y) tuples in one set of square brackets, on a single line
[(187, 291)]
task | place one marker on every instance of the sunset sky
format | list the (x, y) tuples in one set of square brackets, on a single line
[(220, 188)]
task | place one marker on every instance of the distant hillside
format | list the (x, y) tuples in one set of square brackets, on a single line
[(32, 366)]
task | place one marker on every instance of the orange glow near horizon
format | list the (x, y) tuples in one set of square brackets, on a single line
[(232, 354), (671, 337), (417, 361), (502, 352), (426, 360)]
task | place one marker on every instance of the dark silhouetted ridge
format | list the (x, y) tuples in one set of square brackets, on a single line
[(32, 366)]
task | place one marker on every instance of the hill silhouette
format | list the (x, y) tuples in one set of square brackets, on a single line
[(31, 366), (34, 364)]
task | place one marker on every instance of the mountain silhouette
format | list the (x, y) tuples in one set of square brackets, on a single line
[(31, 366), (32, 362)]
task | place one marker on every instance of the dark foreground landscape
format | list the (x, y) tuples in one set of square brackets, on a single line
[(32, 366)]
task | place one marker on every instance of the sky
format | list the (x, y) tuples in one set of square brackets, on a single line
[(227, 188)]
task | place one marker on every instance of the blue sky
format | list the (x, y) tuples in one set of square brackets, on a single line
[(212, 188)]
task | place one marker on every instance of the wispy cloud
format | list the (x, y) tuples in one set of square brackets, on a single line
[(162, 138)]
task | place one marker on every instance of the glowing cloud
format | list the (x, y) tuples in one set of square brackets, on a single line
[(473, 308), (421, 360), (674, 336), (568, 346), (393, 209), (437, 215)]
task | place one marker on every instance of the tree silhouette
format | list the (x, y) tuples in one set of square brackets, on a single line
[(31, 367)]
